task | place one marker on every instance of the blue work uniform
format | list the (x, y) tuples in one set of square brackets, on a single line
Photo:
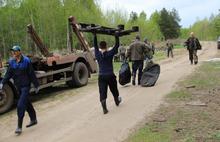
[(106, 74), (23, 75)]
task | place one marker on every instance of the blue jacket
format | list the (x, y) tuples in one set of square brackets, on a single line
[(105, 59), (22, 73)]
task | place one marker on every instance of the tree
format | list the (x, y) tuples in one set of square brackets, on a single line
[(133, 16), (169, 23), (143, 15)]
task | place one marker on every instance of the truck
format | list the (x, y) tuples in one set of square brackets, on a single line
[(74, 68)]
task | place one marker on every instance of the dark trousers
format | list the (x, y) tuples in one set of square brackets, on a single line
[(107, 80), (137, 65), (24, 104), (193, 56), (169, 52)]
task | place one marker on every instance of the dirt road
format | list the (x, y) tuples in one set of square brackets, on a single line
[(79, 118)]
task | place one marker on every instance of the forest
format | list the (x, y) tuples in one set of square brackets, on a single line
[(49, 17)]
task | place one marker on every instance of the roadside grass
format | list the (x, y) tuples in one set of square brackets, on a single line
[(206, 76), (159, 55), (179, 95), (177, 46), (180, 120)]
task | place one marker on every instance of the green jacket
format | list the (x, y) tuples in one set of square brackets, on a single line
[(137, 50)]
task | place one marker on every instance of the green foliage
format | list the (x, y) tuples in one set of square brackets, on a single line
[(169, 23), (206, 29), (48, 17)]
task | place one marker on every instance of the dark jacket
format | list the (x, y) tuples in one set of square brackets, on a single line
[(169, 46), (22, 73), (193, 43), (137, 51), (105, 59)]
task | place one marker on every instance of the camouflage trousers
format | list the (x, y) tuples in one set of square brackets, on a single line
[(193, 56)]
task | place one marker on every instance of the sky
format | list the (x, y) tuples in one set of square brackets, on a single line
[(189, 10)]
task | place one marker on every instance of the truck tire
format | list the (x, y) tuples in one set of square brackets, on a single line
[(80, 75), (6, 99)]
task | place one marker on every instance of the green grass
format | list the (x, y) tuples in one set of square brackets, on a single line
[(216, 136), (159, 55), (117, 66), (179, 95), (193, 121), (206, 76), (150, 134), (178, 46)]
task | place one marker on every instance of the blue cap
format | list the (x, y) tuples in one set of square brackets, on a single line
[(16, 48)]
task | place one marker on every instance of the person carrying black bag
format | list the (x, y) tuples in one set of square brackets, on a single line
[(106, 74), (137, 52)]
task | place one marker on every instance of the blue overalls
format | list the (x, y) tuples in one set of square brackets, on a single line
[(23, 74)]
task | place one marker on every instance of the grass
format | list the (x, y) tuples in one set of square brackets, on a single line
[(159, 55), (150, 134), (205, 77), (117, 66), (178, 46), (216, 136), (186, 123), (179, 95)]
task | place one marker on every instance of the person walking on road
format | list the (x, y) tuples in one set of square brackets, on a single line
[(106, 74), (21, 71), (193, 45), (137, 52), (122, 51), (169, 49)]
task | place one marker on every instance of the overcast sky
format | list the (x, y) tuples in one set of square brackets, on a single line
[(189, 10)]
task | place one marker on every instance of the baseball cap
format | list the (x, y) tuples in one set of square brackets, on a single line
[(16, 48)]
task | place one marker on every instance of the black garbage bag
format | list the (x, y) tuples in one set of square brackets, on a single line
[(125, 73), (150, 75)]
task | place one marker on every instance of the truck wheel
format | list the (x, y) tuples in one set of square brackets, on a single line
[(79, 76), (6, 98)]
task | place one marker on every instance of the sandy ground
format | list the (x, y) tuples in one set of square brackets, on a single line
[(79, 118)]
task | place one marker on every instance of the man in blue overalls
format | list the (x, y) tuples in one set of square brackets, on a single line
[(21, 71), (106, 77)]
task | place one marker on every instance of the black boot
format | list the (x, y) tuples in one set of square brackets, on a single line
[(139, 81), (195, 62), (133, 82), (133, 79), (117, 100), (32, 122), (19, 128), (104, 107)]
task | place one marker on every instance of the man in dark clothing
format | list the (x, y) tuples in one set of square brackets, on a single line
[(169, 49), (150, 47), (193, 45), (136, 52), (21, 71), (106, 74), (122, 51)]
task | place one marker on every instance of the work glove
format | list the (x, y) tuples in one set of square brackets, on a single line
[(1, 86), (37, 90)]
